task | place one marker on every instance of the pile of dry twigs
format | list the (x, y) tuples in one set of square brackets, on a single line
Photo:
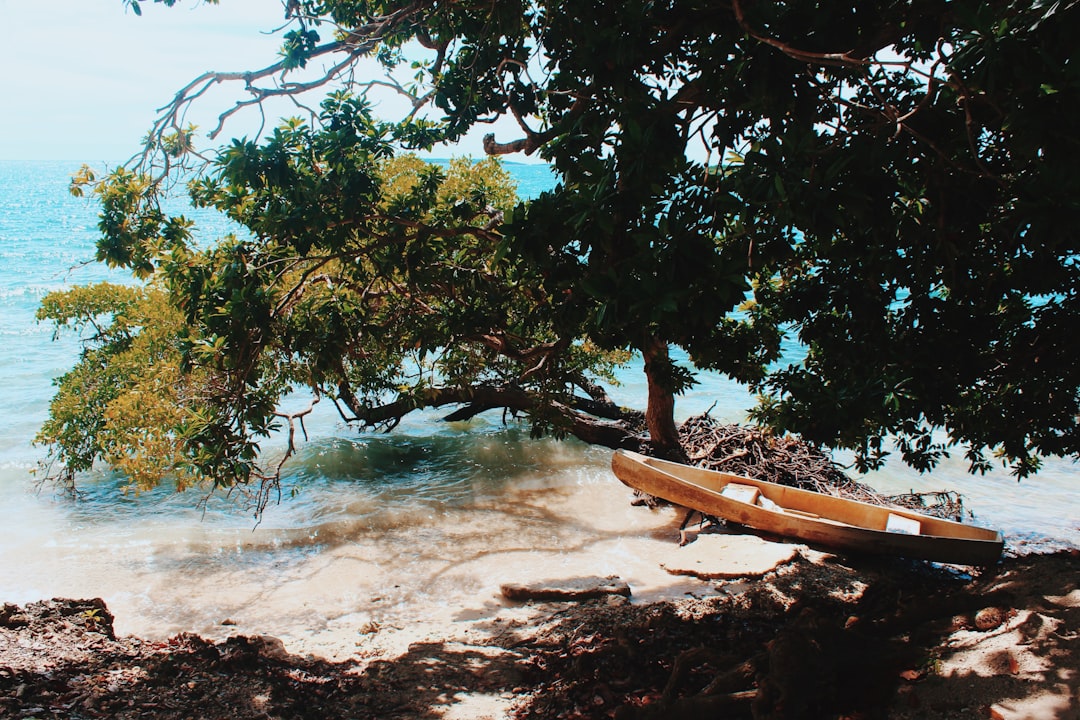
[(788, 460)]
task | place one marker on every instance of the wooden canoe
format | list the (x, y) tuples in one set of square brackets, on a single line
[(813, 518)]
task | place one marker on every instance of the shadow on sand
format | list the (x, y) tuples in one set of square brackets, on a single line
[(814, 640)]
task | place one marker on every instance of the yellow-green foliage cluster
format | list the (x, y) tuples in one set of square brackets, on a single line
[(124, 400), (464, 180)]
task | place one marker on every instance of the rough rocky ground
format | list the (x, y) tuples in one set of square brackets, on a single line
[(817, 638)]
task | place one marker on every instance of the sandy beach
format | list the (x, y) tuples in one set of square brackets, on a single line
[(790, 632)]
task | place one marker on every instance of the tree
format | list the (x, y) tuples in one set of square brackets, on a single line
[(934, 276), (397, 300), (890, 181)]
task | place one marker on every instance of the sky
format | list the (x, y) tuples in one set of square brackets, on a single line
[(83, 78)]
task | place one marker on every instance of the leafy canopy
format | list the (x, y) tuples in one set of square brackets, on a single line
[(375, 280), (896, 179)]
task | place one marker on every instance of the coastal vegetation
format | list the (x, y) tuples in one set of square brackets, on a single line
[(892, 184)]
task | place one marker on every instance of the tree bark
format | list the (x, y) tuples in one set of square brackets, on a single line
[(660, 413)]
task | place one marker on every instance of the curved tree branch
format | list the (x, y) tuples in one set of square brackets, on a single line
[(534, 141), (843, 59), (481, 398), (355, 44)]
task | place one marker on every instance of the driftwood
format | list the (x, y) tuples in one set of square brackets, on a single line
[(787, 460), (569, 590)]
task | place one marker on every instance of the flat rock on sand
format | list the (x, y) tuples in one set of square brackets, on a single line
[(716, 557)]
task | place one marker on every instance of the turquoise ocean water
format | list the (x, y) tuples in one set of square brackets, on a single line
[(420, 484)]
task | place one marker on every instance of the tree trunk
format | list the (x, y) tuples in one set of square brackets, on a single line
[(660, 413)]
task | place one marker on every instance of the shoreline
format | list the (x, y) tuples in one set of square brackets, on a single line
[(311, 585), (815, 636)]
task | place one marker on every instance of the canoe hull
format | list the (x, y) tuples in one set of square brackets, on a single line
[(835, 523)]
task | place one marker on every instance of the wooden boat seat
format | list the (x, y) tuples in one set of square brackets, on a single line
[(742, 493), (900, 524)]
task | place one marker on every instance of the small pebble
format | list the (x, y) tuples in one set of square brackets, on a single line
[(961, 622), (989, 618)]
